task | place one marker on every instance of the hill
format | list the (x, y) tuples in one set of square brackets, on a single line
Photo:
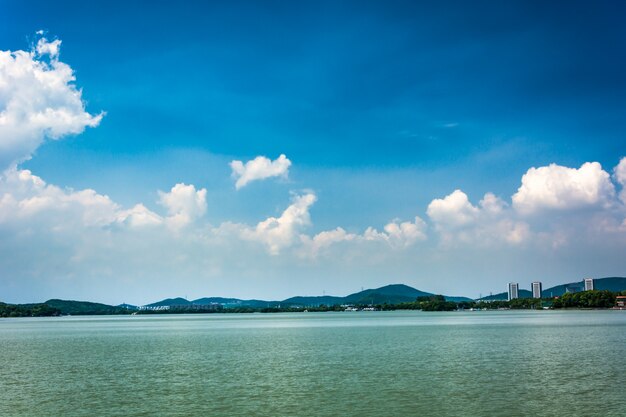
[(314, 301), (503, 296), (615, 284), (84, 307), (457, 298), (392, 294), (233, 302), (389, 294), (27, 310), (171, 302)]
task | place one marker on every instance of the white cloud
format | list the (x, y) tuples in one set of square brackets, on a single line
[(554, 191), (322, 240), (395, 235), (406, 233), (184, 205), (559, 187), (38, 100), (398, 235), (452, 211), (27, 199), (88, 239), (620, 176), (52, 49), (259, 168), (280, 232), (457, 220), (492, 204), (140, 216)]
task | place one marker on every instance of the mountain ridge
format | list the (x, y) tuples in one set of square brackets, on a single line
[(390, 294), (614, 284)]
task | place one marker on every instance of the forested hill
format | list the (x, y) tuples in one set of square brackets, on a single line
[(389, 294), (614, 284), (84, 307)]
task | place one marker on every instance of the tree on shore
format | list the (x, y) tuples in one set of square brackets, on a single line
[(586, 299)]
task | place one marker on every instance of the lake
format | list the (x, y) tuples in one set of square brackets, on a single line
[(410, 363)]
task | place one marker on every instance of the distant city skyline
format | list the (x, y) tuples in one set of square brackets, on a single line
[(270, 150)]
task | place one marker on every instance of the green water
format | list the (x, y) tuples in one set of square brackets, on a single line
[(503, 363)]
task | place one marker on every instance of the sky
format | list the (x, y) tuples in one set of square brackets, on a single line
[(272, 149)]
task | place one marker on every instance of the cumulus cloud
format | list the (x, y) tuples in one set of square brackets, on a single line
[(25, 198), (457, 220), (280, 232), (620, 177), (81, 233), (398, 234), (38, 100), (395, 235), (184, 205), (555, 192), (452, 210), (313, 245), (492, 204), (259, 168), (139, 216), (558, 187)]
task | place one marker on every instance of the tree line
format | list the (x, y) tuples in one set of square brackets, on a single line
[(587, 299), (28, 310), (584, 299)]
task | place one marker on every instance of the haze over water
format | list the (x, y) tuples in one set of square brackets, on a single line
[(504, 363)]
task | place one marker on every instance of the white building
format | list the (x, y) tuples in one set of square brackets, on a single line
[(513, 290), (536, 287), (588, 284)]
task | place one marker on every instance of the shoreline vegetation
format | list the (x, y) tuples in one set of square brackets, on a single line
[(593, 299)]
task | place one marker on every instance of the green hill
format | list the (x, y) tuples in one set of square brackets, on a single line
[(27, 310), (457, 299), (171, 302), (84, 308), (614, 284), (315, 301), (503, 296), (233, 302), (389, 294)]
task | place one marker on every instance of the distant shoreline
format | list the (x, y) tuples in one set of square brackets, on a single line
[(586, 300)]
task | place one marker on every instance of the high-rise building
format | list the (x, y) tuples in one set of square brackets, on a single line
[(513, 290), (536, 287), (588, 284)]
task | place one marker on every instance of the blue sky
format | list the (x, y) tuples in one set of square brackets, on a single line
[(381, 107)]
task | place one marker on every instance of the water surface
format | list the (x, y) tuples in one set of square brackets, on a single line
[(502, 363)]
